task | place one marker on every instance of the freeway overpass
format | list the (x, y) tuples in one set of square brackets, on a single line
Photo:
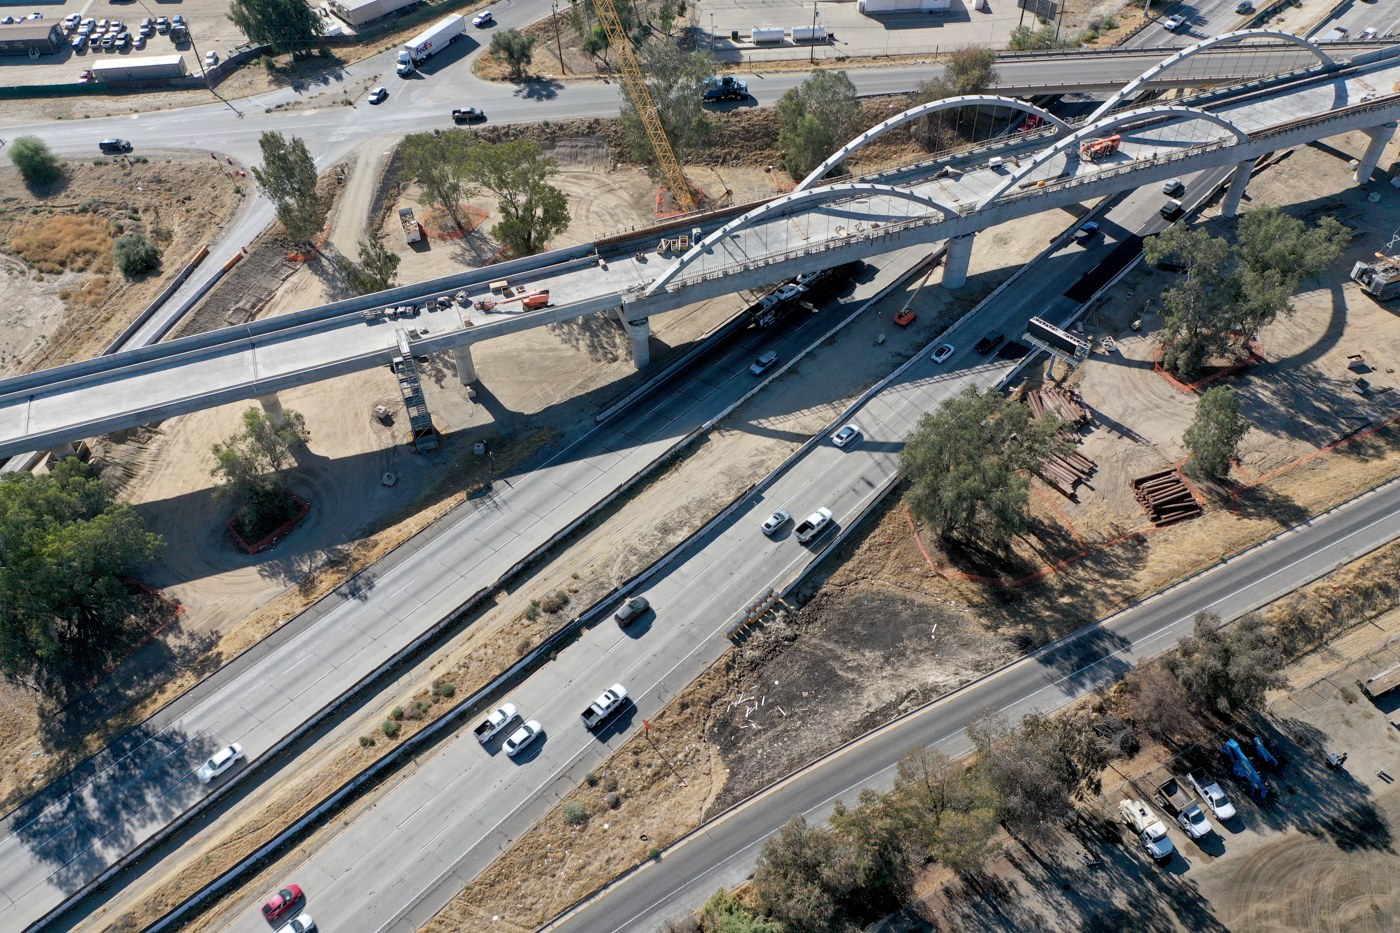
[(952, 198)]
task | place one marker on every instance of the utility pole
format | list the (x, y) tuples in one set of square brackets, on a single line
[(558, 45), (812, 57), (712, 32)]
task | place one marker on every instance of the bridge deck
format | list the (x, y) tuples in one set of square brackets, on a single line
[(41, 410)]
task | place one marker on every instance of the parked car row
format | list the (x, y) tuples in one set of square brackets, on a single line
[(1246, 760)]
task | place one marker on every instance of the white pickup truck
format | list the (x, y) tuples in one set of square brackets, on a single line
[(813, 525), (603, 707), (498, 720)]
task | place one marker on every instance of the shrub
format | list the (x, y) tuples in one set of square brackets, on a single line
[(524, 644), (532, 611), (135, 253), (268, 63), (396, 713), (554, 603), (390, 728), (366, 741), (101, 161), (444, 688), (610, 782), (575, 814), (90, 205), (591, 779), (653, 852), (36, 163)]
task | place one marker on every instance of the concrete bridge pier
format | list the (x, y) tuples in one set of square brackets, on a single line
[(63, 451), (956, 261), (1238, 181), (466, 369), (1380, 138), (272, 405), (640, 332)]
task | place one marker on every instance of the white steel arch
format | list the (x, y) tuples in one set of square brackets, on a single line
[(913, 113), (1072, 142), (1132, 87), (786, 203)]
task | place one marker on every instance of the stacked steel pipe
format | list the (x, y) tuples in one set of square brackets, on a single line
[(1062, 471), (1166, 497), (1065, 404)]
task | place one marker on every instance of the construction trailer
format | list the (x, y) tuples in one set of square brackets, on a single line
[(1382, 682), (1379, 279), (32, 37), (359, 12), (139, 69)]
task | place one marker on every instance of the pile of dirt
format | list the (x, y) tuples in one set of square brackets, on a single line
[(62, 303)]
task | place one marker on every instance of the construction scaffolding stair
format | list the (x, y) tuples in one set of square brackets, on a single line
[(420, 421)]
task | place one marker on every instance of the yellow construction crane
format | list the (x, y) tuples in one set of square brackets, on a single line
[(636, 85)]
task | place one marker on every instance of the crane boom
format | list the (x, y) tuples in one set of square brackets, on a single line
[(636, 85)]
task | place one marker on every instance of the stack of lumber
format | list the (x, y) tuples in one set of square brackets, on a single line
[(1064, 404), (1062, 472), (1166, 497)]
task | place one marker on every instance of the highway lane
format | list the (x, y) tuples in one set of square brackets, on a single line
[(1360, 15), (400, 863), (1204, 19), (723, 854), (53, 846)]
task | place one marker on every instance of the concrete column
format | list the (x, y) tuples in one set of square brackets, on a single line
[(640, 332), (63, 451), (956, 260), (1380, 137), (1238, 181), (271, 404), (466, 369)]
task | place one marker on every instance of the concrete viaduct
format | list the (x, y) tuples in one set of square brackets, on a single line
[(816, 226)]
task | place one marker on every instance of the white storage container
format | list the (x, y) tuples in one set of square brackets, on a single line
[(767, 34)]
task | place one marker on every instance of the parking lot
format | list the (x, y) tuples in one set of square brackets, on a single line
[(207, 20)]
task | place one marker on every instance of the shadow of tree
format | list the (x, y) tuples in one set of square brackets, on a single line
[(602, 338), (1263, 501)]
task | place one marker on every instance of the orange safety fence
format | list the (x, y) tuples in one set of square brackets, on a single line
[(1255, 358)]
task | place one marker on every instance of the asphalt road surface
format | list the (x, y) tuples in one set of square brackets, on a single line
[(724, 852), (395, 867), (55, 843)]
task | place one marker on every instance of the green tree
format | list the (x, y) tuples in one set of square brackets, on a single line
[(36, 163), (1036, 765), (377, 270), (251, 463), (532, 210), (1227, 669), (514, 48), (135, 253), (1275, 253), (876, 831), (675, 80), (951, 809), (288, 178), (725, 913), (969, 70), (816, 119), (967, 465), (442, 164), (1195, 311), (1215, 433), (595, 43), (1026, 39), (804, 876), (286, 25), (65, 544)]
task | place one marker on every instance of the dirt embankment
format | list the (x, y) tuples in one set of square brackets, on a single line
[(746, 136), (62, 299)]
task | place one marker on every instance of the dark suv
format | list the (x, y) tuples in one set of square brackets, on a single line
[(114, 145)]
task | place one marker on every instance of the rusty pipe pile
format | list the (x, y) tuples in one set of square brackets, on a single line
[(1063, 472), (1166, 497), (1065, 404)]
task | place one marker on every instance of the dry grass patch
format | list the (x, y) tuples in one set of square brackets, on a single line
[(77, 243)]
